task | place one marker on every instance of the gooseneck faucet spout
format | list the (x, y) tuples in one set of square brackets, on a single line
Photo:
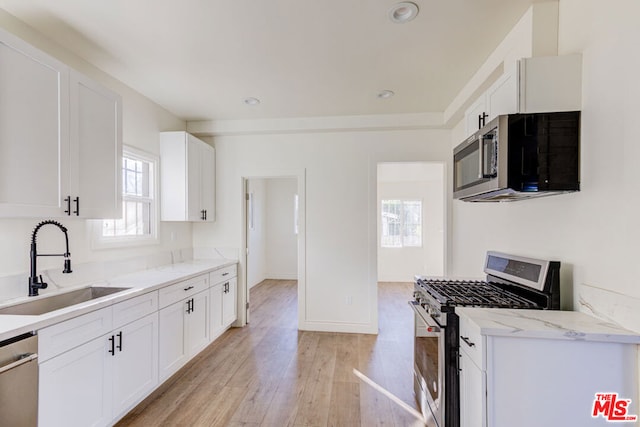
[(35, 281)]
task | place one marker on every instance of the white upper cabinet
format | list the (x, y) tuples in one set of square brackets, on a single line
[(60, 138), (34, 131), (533, 85), (96, 149), (187, 178)]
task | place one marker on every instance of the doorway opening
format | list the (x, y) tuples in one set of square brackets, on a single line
[(274, 235), (411, 220)]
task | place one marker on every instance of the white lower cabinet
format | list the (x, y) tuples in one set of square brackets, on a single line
[(135, 363), (96, 367), (229, 305), (184, 331), (215, 314), (472, 392), (94, 382), (223, 293), (75, 388), (541, 368)]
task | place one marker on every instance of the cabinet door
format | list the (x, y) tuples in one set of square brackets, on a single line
[(135, 370), (171, 354), (208, 182), (34, 131), (215, 312), (472, 393), (96, 148), (229, 303), (473, 112), (196, 323), (194, 179), (75, 388), (502, 96)]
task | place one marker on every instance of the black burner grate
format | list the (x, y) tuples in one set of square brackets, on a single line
[(474, 293)]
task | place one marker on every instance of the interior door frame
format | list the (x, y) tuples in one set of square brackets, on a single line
[(300, 176)]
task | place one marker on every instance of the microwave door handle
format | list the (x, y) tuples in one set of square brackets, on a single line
[(481, 157)]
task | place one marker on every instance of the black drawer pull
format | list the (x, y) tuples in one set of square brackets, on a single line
[(188, 289), (113, 344)]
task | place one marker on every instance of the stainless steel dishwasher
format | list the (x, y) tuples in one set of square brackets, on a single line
[(19, 381)]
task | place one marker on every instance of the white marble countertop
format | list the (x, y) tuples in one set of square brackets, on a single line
[(546, 324), (140, 283)]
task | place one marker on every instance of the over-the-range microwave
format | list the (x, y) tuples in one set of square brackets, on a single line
[(519, 156)]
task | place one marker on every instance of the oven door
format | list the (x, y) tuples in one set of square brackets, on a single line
[(475, 164), (428, 357)]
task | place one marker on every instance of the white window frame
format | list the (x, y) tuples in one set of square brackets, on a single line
[(108, 242), (402, 243)]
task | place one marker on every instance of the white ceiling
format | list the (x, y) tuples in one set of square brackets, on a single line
[(302, 58)]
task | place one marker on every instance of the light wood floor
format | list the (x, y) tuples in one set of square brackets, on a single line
[(271, 374)]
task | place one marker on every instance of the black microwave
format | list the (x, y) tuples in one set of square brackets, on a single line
[(519, 156)]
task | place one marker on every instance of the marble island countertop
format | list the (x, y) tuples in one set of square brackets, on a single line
[(546, 324), (139, 283)]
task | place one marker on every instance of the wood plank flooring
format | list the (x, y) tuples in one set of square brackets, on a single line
[(271, 374)]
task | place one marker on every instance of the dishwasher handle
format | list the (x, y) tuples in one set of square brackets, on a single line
[(25, 358)]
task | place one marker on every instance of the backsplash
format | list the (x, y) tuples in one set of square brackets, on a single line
[(91, 273), (608, 305)]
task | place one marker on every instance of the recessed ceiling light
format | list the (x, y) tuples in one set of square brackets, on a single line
[(403, 12), (385, 94), (251, 101)]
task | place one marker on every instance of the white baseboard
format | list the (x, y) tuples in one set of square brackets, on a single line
[(352, 328), (282, 276)]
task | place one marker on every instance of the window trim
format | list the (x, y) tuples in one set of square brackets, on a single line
[(98, 241)]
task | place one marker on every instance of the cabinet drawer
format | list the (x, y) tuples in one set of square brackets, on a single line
[(57, 339), (472, 342), (223, 274), (134, 309), (181, 290)]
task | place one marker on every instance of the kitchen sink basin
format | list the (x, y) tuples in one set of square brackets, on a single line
[(56, 302)]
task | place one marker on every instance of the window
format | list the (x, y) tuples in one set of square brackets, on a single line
[(139, 221), (401, 223)]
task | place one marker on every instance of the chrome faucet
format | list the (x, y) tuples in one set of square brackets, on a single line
[(35, 281)]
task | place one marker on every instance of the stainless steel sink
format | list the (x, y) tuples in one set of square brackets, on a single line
[(56, 302)]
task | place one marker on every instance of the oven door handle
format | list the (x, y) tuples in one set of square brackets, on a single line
[(431, 323)]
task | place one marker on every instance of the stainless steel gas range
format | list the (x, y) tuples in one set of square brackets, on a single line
[(512, 282)]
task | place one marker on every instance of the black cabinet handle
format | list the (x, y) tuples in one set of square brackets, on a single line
[(119, 346), (77, 202), (193, 307), (68, 210), (225, 274), (188, 306), (113, 342), (188, 288), (482, 120), (203, 215)]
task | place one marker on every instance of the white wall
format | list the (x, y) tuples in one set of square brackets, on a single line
[(257, 234), (413, 181), (594, 232), (282, 242), (340, 175), (142, 120)]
